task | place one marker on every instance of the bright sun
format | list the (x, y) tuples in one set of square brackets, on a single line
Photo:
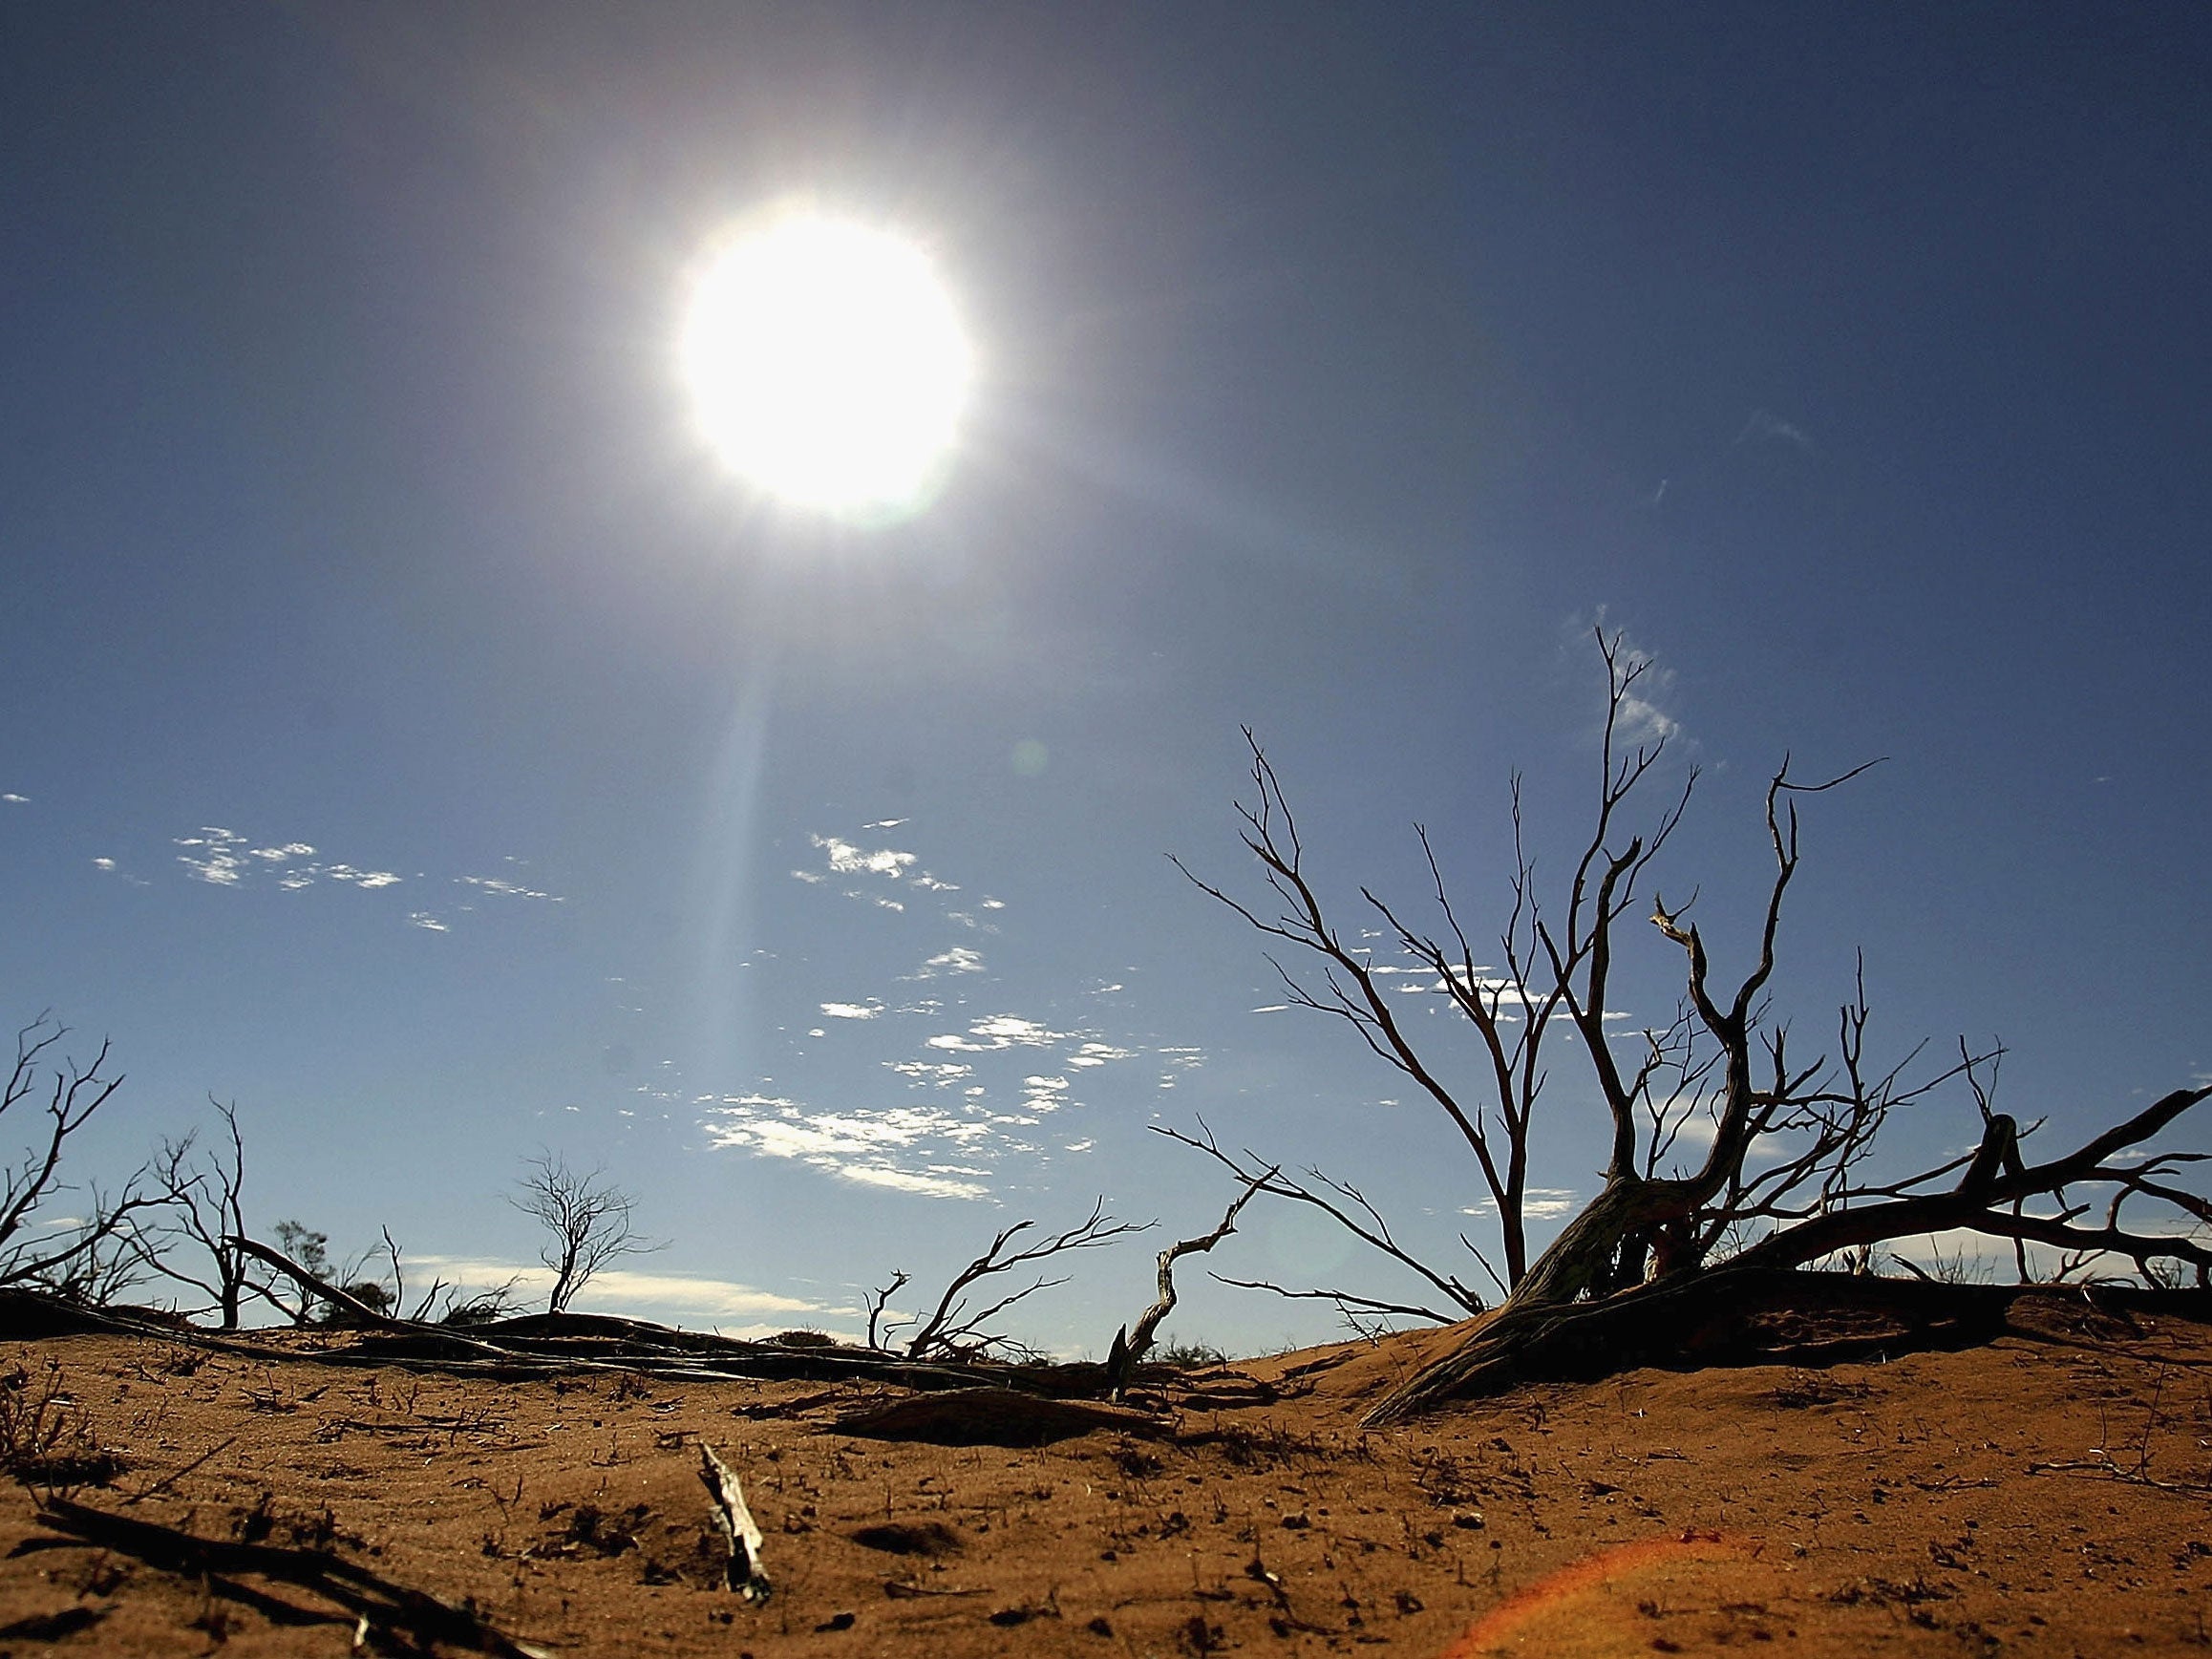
[(828, 366)]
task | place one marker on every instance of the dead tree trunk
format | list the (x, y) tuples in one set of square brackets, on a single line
[(1131, 1344)]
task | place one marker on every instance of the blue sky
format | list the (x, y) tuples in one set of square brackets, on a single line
[(415, 733)]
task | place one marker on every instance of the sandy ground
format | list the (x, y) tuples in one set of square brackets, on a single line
[(2050, 1494)]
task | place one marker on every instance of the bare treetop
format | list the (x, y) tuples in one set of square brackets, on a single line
[(590, 1220)]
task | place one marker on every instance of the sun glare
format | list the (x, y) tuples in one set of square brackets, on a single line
[(828, 367)]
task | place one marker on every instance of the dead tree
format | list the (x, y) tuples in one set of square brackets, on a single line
[(92, 1260), (1552, 972), (1131, 1343), (204, 1216), (954, 1333), (1785, 1179), (588, 1218), (878, 1299)]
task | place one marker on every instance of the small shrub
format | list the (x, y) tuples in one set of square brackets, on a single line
[(1187, 1355), (45, 1438), (366, 1291)]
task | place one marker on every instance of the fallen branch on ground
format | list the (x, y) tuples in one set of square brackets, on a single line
[(370, 1599)]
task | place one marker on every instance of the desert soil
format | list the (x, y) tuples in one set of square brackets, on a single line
[(2048, 1494)]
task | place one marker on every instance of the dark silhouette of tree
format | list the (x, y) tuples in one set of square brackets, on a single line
[(201, 1214), (92, 1261), (590, 1220)]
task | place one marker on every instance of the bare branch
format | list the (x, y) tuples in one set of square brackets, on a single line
[(953, 1331)]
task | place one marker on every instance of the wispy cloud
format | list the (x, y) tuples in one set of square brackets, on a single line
[(424, 919), (939, 1073), (1042, 1094), (222, 858), (1538, 1204), (506, 890), (13, 799), (996, 1032), (901, 1148), (848, 860), (852, 1011), (1767, 427), (625, 1287), (1098, 1054), (960, 959)]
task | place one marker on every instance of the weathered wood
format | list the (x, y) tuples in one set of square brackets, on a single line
[(744, 1573)]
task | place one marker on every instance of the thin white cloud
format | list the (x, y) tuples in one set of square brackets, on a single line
[(625, 1287), (1538, 1203), (998, 1032), (862, 1147), (936, 1074), (1640, 718), (886, 823), (812, 878), (848, 860), (960, 959), (1767, 426), (366, 880), (103, 864), (213, 858), (13, 799), (507, 889), (922, 1183), (222, 858), (852, 1011), (423, 919), (1045, 1093), (929, 884), (1096, 1053)]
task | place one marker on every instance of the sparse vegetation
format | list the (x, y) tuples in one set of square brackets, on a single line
[(46, 1439)]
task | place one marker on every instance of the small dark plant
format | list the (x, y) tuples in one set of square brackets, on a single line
[(1188, 1355), (45, 1438)]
